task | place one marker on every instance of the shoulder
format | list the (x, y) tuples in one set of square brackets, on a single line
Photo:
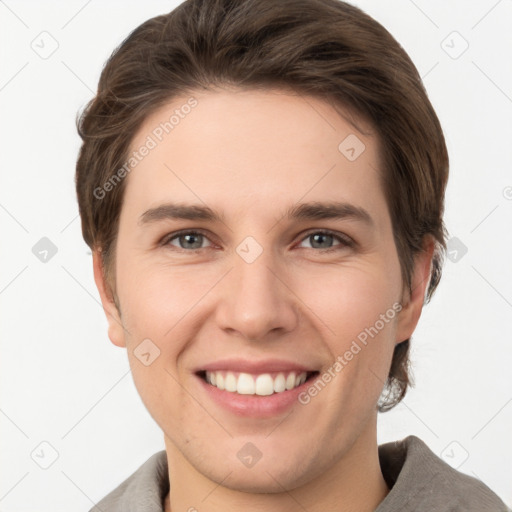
[(143, 491), (418, 478)]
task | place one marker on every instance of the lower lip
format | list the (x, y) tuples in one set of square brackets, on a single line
[(255, 406)]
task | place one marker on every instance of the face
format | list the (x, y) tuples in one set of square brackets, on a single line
[(281, 259)]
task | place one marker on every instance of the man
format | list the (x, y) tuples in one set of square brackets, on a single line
[(262, 185)]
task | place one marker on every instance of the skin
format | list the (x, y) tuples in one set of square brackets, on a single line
[(251, 155)]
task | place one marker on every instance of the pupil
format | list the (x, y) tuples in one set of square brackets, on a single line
[(320, 236), (190, 239)]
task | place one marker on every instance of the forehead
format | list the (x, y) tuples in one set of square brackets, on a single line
[(231, 149)]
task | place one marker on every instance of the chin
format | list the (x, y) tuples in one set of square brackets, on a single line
[(260, 482), (265, 477)]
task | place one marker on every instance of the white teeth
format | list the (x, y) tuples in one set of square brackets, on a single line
[(279, 383), (262, 385), (290, 381), (245, 385), (230, 382)]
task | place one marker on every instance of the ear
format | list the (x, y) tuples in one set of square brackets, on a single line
[(116, 331), (413, 300)]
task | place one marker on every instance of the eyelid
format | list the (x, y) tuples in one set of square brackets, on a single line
[(346, 241), (175, 234), (342, 237)]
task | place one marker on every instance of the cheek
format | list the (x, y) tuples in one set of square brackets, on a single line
[(160, 307), (357, 311), (349, 299), (155, 298)]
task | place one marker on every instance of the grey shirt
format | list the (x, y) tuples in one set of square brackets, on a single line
[(419, 481)]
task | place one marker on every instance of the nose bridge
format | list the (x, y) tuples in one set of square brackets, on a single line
[(255, 300)]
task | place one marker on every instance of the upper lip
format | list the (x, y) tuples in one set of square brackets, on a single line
[(255, 367)]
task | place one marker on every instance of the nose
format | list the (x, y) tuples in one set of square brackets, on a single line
[(256, 302)]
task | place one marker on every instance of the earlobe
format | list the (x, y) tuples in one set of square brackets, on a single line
[(413, 300), (116, 331)]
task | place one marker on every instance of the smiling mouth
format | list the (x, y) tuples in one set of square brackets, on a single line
[(264, 384)]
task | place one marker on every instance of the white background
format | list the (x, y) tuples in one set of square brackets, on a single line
[(64, 383)]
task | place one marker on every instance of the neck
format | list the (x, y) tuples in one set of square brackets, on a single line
[(354, 483)]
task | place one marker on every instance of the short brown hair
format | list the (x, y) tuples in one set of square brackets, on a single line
[(323, 48)]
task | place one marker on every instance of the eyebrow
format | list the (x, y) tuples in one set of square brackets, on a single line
[(305, 211)]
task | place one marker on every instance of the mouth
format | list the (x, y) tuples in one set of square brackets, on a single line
[(263, 384)]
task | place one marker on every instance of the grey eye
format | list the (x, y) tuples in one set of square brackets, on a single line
[(188, 240)]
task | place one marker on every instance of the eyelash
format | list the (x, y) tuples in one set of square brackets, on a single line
[(345, 241)]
